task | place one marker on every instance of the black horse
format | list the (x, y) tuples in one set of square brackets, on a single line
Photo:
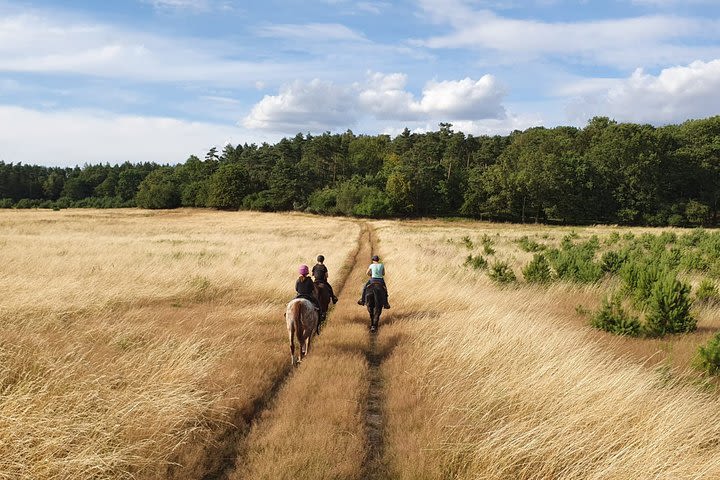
[(375, 299)]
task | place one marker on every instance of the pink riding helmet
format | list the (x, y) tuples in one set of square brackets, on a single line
[(303, 270)]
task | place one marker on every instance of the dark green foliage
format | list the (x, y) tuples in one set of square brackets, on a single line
[(575, 262), (159, 190), (612, 261), (538, 270), (228, 186), (477, 262), (500, 272), (707, 358), (528, 245), (6, 202), (375, 204), (707, 291), (669, 307), (611, 317), (467, 242), (639, 277), (487, 244), (606, 172)]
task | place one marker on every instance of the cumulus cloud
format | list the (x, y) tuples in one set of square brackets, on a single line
[(300, 106), (319, 105), (672, 96), (74, 137)]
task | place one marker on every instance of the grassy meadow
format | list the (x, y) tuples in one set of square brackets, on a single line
[(490, 381), (140, 344), (133, 342)]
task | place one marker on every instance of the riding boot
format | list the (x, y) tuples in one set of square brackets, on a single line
[(362, 296)]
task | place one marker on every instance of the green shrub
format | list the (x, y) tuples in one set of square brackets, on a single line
[(6, 203), (528, 245), (628, 236), (707, 357), (612, 261), (639, 277), (707, 291), (476, 262), (693, 238), (501, 272), (575, 263), (694, 260), (612, 239), (669, 307), (467, 242), (538, 270), (611, 317)]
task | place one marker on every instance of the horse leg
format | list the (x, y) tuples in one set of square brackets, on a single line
[(292, 348)]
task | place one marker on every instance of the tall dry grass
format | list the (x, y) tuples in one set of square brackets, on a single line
[(315, 427), (504, 383), (130, 338)]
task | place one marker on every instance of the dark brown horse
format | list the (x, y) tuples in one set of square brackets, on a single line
[(375, 299), (323, 296)]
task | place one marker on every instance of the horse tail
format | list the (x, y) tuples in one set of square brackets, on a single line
[(296, 312)]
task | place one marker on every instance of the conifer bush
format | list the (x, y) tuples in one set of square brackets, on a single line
[(611, 317), (500, 272), (575, 262), (707, 291), (477, 262), (538, 270), (612, 261), (528, 245), (669, 307), (707, 357)]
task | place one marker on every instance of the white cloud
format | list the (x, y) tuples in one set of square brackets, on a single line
[(32, 43), (644, 40), (310, 31), (466, 99), (319, 105), (299, 106), (73, 137), (673, 96)]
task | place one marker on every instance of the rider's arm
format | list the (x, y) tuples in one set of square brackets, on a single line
[(369, 272)]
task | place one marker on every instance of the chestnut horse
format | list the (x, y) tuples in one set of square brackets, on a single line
[(375, 299), (323, 296), (302, 319)]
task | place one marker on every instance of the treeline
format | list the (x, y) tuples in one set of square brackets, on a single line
[(604, 173)]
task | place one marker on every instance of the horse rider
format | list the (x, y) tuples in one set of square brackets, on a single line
[(320, 272), (305, 287), (376, 272)]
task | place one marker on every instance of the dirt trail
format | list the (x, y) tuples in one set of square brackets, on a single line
[(373, 465), (228, 444)]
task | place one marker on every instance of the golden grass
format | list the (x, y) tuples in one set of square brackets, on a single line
[(315, 428), (130, 338), (493, 383)]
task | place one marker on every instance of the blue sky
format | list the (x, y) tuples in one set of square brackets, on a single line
[(158, 80)]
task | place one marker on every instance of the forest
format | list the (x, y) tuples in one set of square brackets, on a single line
[(606, 172)]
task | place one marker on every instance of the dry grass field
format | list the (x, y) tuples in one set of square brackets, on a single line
[(490, 382), (132, 340), (141, 344)]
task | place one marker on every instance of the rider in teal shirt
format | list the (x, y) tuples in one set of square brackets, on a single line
[(376, 272)]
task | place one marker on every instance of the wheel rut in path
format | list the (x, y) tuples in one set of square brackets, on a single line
[(230, 444), (374, 467)]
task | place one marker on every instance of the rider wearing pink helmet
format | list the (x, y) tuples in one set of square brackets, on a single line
[(305, 287)]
